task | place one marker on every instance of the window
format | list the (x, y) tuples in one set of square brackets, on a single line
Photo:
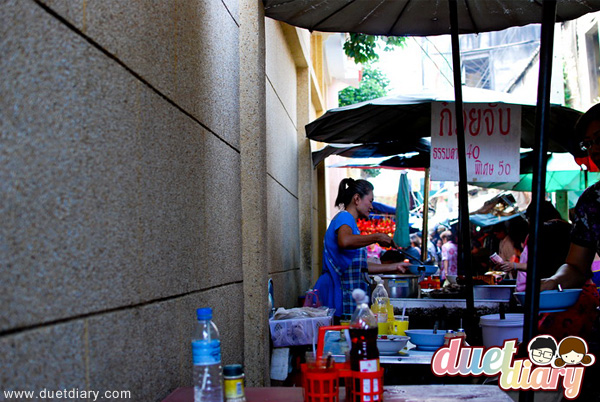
[(593, 55)]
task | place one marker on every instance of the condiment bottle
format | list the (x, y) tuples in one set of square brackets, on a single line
[(460, 333), (364, 355), (234, 383), (448, 336), (382, 308)]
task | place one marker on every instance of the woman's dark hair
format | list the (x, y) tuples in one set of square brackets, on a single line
[(593, 114), (348, 187), (547, 212)]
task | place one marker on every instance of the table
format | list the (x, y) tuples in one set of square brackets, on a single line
[(412, 393)]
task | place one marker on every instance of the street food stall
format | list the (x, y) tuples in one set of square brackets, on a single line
[(406, 18)]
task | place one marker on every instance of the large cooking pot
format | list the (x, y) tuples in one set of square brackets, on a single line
[(399, 286)]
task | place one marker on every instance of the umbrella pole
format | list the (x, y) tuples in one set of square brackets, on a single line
[(464, 229), (425, 239), (532, 290)]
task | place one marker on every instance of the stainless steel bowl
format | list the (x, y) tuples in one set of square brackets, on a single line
[(400, 286)]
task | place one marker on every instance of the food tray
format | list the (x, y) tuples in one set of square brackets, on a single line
[(297, 331)]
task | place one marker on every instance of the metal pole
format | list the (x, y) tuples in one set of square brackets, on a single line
[(425, 239), (464, 227), (538, 187)]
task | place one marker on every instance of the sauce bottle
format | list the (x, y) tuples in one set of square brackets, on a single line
[(448, 336), (364, 355)]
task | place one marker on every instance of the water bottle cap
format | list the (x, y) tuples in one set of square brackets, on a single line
[(233, 370), (204, 313)]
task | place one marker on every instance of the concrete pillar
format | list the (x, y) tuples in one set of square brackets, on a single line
[(253, 191), (304, 178), (321, 227)]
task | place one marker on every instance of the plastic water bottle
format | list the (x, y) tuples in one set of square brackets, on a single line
[(206, 353), (381, 307)]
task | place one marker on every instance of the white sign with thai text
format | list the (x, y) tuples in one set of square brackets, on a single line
[(492, 137)]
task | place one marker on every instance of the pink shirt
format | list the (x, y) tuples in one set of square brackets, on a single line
[(522, 275), (450, 253)]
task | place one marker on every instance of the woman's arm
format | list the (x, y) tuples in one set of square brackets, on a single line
[(574, 272), (397, 267), (346, 239)]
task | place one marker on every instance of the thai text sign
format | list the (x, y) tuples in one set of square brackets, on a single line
[(492, 137)]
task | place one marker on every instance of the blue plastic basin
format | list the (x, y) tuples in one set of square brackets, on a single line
[(425, 339), (553, 300)]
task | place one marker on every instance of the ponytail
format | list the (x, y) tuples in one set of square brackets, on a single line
[(348, 187)]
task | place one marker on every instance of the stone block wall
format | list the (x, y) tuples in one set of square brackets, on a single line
[(120, 190)]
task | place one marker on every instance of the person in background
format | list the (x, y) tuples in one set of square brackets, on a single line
[(345, 265), (506, 247), (585, 240), (415, 247), (547, 213), (433, 252), (449, 255)]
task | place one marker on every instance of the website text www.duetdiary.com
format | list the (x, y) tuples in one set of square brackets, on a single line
[(68, 394)]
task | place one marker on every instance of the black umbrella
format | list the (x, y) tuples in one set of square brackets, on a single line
[(384, 119), (417, 17), (374, 150), (433, 17)]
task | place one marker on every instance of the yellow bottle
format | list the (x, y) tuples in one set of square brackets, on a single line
[(382, 308)]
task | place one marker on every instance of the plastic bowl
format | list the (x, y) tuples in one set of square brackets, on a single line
[(392, 345), (419, 269), (425, 339), (552, 301)]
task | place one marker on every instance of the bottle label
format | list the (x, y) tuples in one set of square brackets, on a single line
[(368, 366), (234, 388), (206, 352)]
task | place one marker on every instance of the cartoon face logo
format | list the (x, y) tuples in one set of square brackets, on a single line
[(573, 350), (542, 350)]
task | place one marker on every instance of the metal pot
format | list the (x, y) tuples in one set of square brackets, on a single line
[(400, 286)]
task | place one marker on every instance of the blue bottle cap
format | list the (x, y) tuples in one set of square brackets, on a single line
[(204, 313)]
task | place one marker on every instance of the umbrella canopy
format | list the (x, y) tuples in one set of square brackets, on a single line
[(416, 161), (374, 150), (417, 18), (409, 117)]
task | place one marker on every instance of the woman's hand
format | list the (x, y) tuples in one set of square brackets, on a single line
[(401, 267), (383, 239), (506, 266)]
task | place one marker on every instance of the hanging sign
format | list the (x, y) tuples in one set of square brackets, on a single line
[(492, 137)]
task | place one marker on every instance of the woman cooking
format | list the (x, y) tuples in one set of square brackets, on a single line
[(345, 265)]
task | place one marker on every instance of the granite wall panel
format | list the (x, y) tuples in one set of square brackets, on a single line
[(282, 144), (44, 359), (283, 245), (173, 46), (281, 70), (151, 363)]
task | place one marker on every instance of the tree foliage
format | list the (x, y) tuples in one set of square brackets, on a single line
[(362, 48), (373, 85)]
